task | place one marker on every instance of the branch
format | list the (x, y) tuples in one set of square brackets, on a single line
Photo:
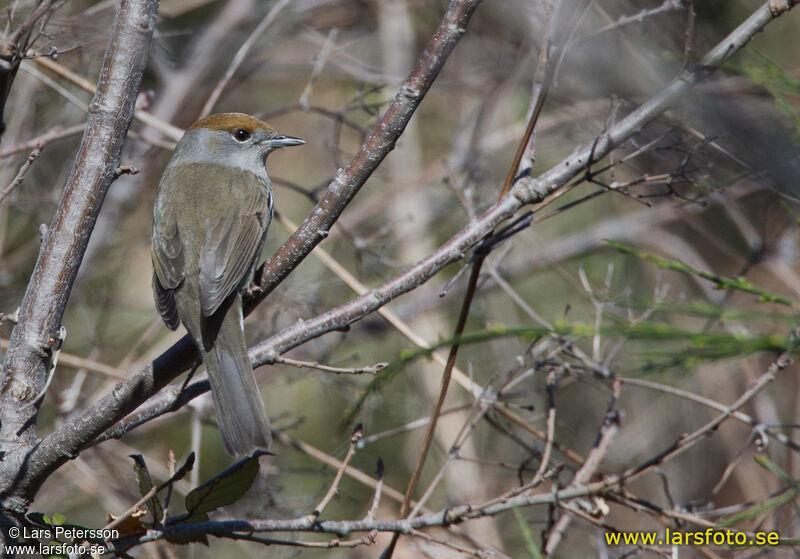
[(358, 432), (37, 151), (12, 51), (27, 359), (444, 518), (55, 133), (241, 54), (608, 432)]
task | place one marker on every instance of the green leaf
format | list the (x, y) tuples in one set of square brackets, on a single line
[(795, 215), (527, 534), (720, 282), (760, 508), (764, 461), (224, 488), (58, 519), (776, 81), (38, 518), (145, 483)]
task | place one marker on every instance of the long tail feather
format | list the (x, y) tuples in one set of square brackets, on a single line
[(241, 416)]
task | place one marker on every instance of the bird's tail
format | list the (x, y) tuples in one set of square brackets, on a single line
[(241, 417)]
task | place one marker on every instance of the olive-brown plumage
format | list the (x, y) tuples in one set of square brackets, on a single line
[(211, 216)]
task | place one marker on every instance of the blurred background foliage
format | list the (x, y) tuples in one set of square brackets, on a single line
[(729, 208)]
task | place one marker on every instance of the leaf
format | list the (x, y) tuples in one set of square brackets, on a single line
[(183, 539), (187, 466), (778, 82), (145, 483), (224, 488), (38, 518), (131, 525), (58, 519), (720, 282), (527, 534)]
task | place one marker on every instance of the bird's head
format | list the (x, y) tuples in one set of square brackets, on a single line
[(231, 139)]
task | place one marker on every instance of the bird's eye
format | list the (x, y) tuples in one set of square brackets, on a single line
[(241, 135)]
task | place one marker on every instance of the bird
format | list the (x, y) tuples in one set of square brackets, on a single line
[(212, 211)]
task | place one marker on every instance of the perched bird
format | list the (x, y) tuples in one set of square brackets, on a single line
[(211, 216)]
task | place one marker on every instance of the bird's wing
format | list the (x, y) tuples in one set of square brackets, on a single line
[(165, 303), (166, 251), (232, 243)]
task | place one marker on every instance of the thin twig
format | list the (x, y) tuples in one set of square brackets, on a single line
[(692, 397), (55, 133), (319, 63), (37, 151), (332, 462), (551, 430), (165, 128), (479, 409), (686, 442), (445, 382), (608, 432), (351, 450), (666, 6), (411, 425), (376, 498), (241, 54), (373, 370), (177, 476), (90, 365)]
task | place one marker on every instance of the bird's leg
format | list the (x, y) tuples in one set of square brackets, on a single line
[(190, 375)]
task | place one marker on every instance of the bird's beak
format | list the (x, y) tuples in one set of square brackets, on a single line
[(281, 141)]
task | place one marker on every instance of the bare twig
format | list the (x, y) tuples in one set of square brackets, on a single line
[(165, 128), (692, 397), (608, 432), (445, 382), (37, 151), (332, 462), (479, 409), (319, 63), (639, 17), (351, 450), (241, 54), (373, 370), (551, 431), (56, 133), (376, 498)]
